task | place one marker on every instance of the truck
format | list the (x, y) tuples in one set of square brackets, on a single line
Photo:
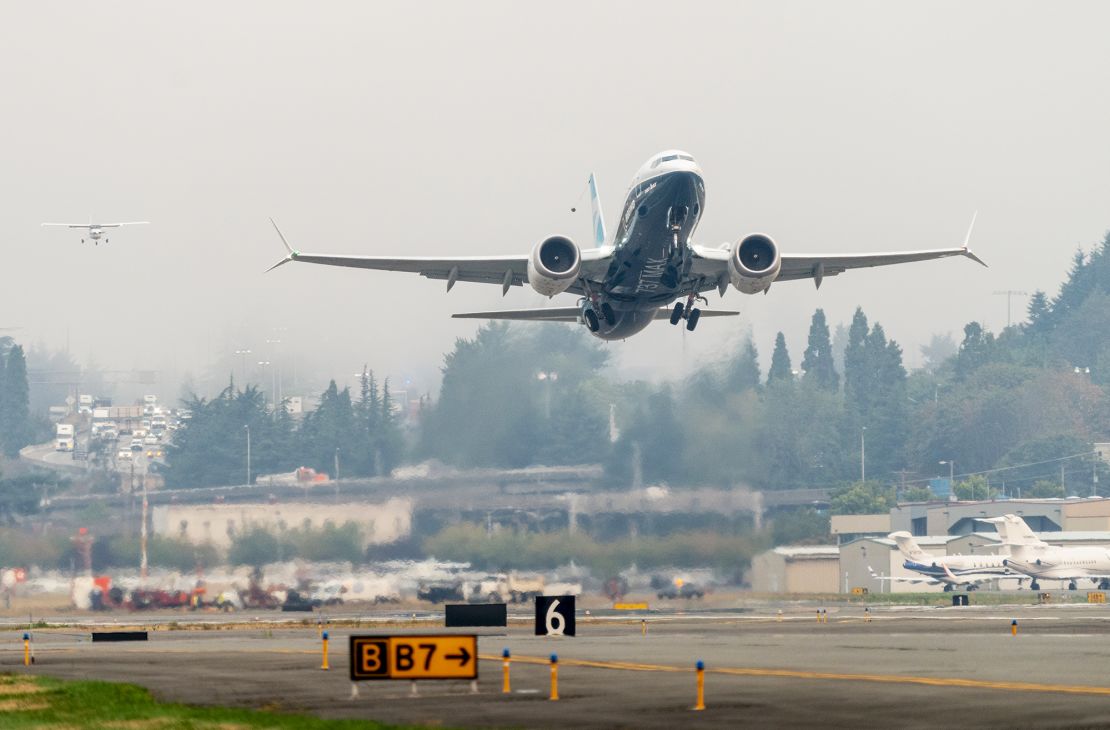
[(63, 438), (508, 588)]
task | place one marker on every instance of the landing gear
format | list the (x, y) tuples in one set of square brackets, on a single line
[(608, 314), (1104, 585), (692, 319), (593, 324), (1034, 586), (676, 313), (972, 587), (947, 587), (1072, 586)]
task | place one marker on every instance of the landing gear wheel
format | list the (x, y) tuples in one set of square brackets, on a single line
[(971, 588), (692, 319), (1072, 586), (676, 313), (592, 322), (1104, 585), (947, 587), (608, 314), (1034, 586)]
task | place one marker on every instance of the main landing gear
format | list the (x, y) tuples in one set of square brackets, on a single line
[(687, 311), (594, 313)]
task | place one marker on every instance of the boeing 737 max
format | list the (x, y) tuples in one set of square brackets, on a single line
[(627, 281)]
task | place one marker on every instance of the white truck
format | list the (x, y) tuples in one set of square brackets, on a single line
[(63, 438), (508, 588)]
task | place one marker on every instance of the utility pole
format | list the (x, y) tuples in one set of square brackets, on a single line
[(1010, 294)]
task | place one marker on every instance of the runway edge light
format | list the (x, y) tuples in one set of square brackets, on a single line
[(700, 702)]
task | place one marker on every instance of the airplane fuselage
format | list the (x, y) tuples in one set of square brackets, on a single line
[(959, 569), (651, 256), (1055, 563)]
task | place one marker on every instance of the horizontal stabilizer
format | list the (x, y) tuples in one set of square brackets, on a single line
[(566, 314)]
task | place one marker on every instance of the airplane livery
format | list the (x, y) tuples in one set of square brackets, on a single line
[(650, 269)]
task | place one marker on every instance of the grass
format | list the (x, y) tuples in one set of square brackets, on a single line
[(43, 702)]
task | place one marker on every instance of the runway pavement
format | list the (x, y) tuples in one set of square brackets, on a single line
[(906, 668)]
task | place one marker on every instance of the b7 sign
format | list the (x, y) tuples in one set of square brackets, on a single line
[(414, 657)]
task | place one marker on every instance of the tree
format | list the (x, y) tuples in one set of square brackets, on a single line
[(1043, 489), (805, 526), (781, 370), (856, 377), (862, 498), (975, 487), (818, 359), (939, 349), (975, 351), (16, 430), (916, 494)]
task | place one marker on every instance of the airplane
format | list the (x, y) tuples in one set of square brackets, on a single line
[(951, 570), (627, 281), (1040, 561), (96, 230)]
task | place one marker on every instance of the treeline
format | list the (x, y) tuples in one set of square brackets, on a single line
[(361, 434)]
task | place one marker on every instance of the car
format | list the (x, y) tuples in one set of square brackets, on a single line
[(151, 440), (136, 444), (124, 455), (139, 433), (154, 453)]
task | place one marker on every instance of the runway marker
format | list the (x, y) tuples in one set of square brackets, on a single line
[(505, 687), (554, 678), (700, 667), (324, 638), (795, 674), (1013, 627)]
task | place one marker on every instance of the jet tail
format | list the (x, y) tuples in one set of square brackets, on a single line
[(908, 546), (1015, 532), (598, 219)]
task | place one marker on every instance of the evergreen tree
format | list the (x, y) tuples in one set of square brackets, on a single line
[(818, 360), (855, 363), (976, 350), (781, 370), (15, 416), (1038, 312)]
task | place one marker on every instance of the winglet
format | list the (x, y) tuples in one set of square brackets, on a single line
[(292, 253), (598, 217), (967, 240)]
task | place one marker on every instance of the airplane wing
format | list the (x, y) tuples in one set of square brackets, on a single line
[(98, 225), (903, 578), (504, 270), (70, 225), (712, 263), (566, 314)]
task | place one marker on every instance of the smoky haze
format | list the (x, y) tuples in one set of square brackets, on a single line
[(465, 129)]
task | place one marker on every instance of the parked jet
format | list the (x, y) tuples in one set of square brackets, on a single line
[(96, 230), (951, 570), (627, 281), (1040, 561)]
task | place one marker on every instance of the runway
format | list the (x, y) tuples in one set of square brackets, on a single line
[(905, 668)]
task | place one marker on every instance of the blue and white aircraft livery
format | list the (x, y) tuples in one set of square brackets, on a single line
[(950, 570), (626, 281)]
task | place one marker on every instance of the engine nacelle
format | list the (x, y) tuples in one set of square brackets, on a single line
[(753, 263), (554, 265)]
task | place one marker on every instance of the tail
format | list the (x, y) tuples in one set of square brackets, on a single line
[(1014, 531), (908, 546), (598, 218)]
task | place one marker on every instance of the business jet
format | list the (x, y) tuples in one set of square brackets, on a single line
[(1040, 561), (626, 282), (950, 570), (96, 230)]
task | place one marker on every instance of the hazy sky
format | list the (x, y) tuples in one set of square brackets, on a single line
[(470, 128)]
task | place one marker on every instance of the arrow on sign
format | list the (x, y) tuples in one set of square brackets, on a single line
[(463, 656)]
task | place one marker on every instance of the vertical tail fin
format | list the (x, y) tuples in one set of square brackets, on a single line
[(1014, 531), (908, 546), (598, 218)]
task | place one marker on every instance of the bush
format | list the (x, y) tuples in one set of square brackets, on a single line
[(162, 552)]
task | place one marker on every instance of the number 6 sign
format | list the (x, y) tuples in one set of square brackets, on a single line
[(554, 615)]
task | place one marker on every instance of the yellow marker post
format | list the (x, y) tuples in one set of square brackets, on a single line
[(554, 677), (26, 649), (818, 615), (700, 666), (324, 638), (505, 658), (1013, 627), (643, 627)]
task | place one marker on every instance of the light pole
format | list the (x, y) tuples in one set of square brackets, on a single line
[(273, 380), (242, 367), (248, 428), (863, 454), (952, 477), (547, 378)]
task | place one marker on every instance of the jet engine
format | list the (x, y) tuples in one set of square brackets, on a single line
[(554, 265), (753, 263)]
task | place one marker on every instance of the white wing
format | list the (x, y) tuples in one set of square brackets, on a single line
[(504, 270), (98, 225)]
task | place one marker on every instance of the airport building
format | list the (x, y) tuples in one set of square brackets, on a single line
[(801, 569)]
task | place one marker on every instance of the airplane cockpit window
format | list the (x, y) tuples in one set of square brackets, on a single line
[(668, 158)]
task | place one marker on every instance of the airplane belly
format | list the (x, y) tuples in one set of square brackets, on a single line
[(628, 323)]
